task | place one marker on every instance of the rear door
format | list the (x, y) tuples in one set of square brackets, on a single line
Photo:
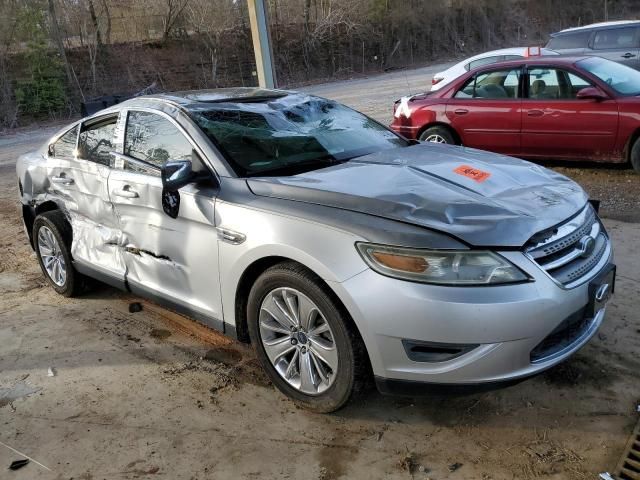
[(486, 111), (556, 124), (619, 44), (78, 172), (174, 260)]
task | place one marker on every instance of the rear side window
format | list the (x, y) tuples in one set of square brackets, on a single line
[(153, 139), (551, 83), (615, 38), (569, 40), (65, 147), (500, 84), (96, 141)]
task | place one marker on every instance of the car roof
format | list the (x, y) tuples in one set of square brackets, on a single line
[(502, 51), (522, 51), (543, 59), (219, 95), (595, 26)]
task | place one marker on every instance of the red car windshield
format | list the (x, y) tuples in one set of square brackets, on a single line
[(624, 80)]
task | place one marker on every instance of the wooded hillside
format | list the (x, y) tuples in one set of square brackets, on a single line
[(56, 53)]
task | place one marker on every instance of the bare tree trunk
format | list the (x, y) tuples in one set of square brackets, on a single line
[(107, 15), (57, 37), (96, 26), (174, 9), (306, 40)]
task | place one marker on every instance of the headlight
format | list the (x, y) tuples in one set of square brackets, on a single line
[(445, 267)]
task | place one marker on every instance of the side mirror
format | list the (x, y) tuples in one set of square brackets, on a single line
[(176, 175), (591, 93)]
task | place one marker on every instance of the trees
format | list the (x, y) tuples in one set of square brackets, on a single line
[(42, 91), (102, 47)]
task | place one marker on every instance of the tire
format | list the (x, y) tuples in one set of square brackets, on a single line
[(291, 280), (634, 157), (50, 227), (437, 135)]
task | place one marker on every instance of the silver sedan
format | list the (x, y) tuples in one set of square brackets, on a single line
[(340, 250)]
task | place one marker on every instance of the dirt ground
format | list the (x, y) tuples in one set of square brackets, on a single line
[(152, 395)]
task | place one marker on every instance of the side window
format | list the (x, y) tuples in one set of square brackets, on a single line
[(543, 83), (615, 38), (153, 139), (65, 147), (551, 83), (569, 40), (96, 141), (500, 84), (512, 57), (577, 82)]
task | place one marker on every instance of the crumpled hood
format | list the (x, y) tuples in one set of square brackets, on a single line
[(499, 201)]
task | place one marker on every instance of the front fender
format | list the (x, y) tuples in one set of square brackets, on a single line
[(327, 251)]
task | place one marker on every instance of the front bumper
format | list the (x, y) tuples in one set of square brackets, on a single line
[(503, 323), (407, 131)]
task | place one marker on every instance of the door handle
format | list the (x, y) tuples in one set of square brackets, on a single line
[(628, 55), (535, 113), (126, 193), (62, 180), (461, 111)]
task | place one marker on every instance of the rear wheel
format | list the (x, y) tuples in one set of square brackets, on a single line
[(52, 239), (437, 135), (303, 340), (635, 155)]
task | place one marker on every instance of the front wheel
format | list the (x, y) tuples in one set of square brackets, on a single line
[(303, 340), (437, 135)]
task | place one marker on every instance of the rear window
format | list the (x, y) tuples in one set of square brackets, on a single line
[(483, 61), (569, 40)]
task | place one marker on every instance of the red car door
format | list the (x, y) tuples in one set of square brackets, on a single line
[(557, 124), (485, 111)]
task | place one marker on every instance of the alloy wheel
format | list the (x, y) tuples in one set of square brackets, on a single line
[(298, 340), (435, 138), (52, 257)]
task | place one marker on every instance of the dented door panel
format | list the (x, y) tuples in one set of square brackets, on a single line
[(79, 187), (96, 236), (176, 259)]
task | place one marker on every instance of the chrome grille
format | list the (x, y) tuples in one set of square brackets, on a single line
[(571, 251)]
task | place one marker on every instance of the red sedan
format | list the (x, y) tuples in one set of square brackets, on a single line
[(545, 107)]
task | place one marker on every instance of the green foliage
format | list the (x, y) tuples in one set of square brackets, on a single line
[(42, 90)]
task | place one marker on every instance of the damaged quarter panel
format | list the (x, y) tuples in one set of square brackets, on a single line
[(72, 172)]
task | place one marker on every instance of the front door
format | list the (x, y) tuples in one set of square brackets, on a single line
[(174, 260), (78, 171), (556, 124), (486, 111)]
